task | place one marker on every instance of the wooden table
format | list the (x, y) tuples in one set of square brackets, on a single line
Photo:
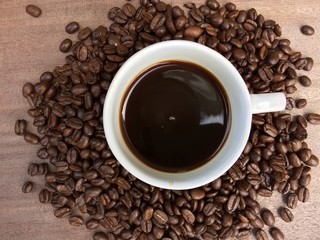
[(29, 46)]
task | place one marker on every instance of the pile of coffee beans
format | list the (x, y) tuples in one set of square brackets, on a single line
[(82, 177)]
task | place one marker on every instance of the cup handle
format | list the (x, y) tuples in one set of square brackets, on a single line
[(267, 102)]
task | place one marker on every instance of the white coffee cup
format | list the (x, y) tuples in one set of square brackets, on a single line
[(242, 105)]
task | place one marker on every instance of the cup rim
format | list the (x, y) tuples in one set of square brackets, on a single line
[(168, 180)]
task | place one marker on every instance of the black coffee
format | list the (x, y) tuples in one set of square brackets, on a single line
[(175, 116)]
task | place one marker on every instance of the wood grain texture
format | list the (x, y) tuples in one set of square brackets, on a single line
[(29, 46)]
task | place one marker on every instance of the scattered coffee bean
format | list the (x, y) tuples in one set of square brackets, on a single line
[(61, 212), (65, 45), (100, 236), (290, 103), (44, 196), (197, 194), (276, 234), (20, 127), (292, 200), (160, 216), (92, 224), (301, 103), (261, 235), (84, 33), (31, 138), (268, 217), (307, 30), (72, 27), (27, 187), (286, 214), (313, 118), (305, 81), (33, 10), (76, 221), (303, 194)]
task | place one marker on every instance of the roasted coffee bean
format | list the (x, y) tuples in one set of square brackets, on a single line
[(304, 154), (302, 121), (290, 103), (197, 194), (31, 138), (305, 81), (148, 213), (129, 9), (20, 127), (84, 33), (213, 4), (43, 169), (292, 200), (72, 27), (303, 194), (160, 216), (61, 212), (76, 221), (27, 89), (257, 222), (261, 235), (233, 203), (313, 161), (44, 196), (100, 236), (192, 32), (305, 180), (307, 30), (313, 118), (33, 11), (92, 224), (27, 187), (301, 103), (33, 169), (146, 225), (188, 216), (65, 45), (268, 217), (276, 234), (209, 209), (309, 64), (286, 214)]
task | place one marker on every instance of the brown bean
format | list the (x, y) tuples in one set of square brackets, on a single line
[(33, 10)]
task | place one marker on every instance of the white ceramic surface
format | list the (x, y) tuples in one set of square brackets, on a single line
[(242, 106)]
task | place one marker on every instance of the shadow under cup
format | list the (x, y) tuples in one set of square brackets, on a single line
[(239, 104)]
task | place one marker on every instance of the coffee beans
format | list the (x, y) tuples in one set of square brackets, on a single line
[(292, 200), (303, 194), (307, 30), (33, 11), (31, 138), (261, 235), (160, 216), (276, 234), (313, 118), (301, 103), (72, 27), (268, 217), (305, 81), (76, 221), (197, 194), (286, 214), (44, 196), (20, 127), (65, 45), (81, 172), (27, 187)]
